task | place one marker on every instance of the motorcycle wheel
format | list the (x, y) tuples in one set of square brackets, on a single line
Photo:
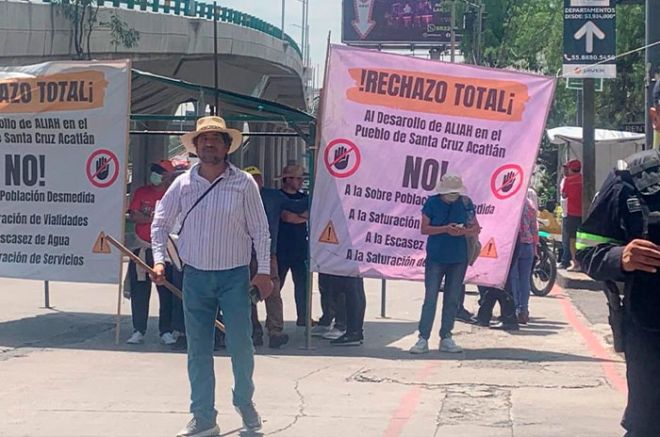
[(544, 274)]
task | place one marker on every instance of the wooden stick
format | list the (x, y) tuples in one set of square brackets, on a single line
[(120, 290), (139, 263)]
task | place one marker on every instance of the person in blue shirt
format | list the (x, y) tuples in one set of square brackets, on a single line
[(278, 207), (447, 218)]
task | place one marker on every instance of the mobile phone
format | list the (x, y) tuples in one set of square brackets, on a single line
[(459, 225)]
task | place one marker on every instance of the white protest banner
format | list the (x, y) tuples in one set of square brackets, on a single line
[(63, 147), (391, 127)]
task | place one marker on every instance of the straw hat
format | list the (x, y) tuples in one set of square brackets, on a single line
[(451, 184), (212, 124)]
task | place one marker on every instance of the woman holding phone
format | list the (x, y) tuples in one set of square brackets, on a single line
[(447, 218)]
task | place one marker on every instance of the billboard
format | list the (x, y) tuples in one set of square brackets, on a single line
[(396, 22)]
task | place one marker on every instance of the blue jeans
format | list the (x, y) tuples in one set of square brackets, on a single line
[(204, 292), (451, 301), (520, 275)]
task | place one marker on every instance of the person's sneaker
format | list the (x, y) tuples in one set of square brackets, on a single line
[(320, 330), (181, 343), (421, 347), (257, 339), (301, 323), (348, 340), (200, 428), (333, 334), (275, 341), (167, 339), (477, 321), (574, 268), (523, 317), (448, 345), (136, 338), (506, 326), (464, 316), (251, 419)]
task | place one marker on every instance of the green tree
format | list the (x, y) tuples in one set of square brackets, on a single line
[(83, 18), (528, 35)]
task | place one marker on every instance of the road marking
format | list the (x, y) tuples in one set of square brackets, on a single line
[(607, 358), (409, 403)]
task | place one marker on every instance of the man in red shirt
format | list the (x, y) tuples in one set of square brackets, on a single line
[(572, 192), (141, 211)]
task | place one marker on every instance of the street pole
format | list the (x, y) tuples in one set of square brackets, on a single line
[(453, 32), (588, 145), (302, 32), (283, 12), (46, 294), (480, 17), (652, 65), (215, 55), (578, 106)]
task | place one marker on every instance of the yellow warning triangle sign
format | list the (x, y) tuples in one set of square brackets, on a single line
[(101, 245), (329, 235), (489, 250)]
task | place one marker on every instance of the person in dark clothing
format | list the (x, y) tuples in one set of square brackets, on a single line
[(279, 208), (333, 305), (292, 246), (620, 242), (489, 296), (356, 304)]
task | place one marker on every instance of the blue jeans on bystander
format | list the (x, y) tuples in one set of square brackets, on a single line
[(454, 275), (204, 292), (520, 275)]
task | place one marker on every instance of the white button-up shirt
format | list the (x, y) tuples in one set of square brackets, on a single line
[(220, 231)]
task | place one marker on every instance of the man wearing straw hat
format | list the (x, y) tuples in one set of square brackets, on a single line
[(222, 218)]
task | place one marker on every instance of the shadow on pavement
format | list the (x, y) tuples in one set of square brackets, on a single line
[(93, 331)]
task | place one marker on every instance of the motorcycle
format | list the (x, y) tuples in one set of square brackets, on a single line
[(544, 270)]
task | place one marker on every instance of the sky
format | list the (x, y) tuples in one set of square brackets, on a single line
[(324, 17)]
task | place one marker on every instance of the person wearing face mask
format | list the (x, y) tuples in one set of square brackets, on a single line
[(447, 218), (141, 212)]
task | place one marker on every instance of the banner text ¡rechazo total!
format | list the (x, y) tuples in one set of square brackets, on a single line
[(440, 94)]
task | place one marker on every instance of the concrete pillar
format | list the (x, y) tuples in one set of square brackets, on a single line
[(138, 158)]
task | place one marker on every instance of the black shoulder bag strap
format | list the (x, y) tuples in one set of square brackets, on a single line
[(199, 199)]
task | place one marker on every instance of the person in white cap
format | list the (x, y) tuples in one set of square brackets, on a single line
[(222, 219), (447, 218)]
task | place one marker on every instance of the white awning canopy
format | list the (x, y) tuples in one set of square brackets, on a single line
[(573, 135), (611, 146)]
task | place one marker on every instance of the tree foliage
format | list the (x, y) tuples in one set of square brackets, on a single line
[(83, 16), (528, 35)]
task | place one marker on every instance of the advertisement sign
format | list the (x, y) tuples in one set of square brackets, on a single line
[(589, 39), (396, 22)]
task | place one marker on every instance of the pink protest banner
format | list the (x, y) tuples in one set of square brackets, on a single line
[(391, 127)]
